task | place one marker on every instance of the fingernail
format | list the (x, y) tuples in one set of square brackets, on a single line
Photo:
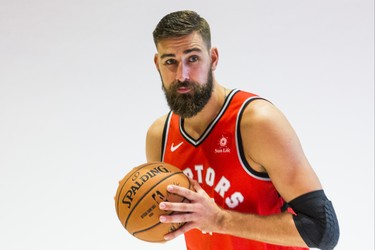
[(162, 219), (162, 205), (170, 188)]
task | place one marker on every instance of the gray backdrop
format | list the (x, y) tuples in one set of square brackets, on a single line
[(78, 90)]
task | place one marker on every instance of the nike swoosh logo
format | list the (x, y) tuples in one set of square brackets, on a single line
[(174, 148)]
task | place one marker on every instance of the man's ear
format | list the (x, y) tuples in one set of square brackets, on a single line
[(214, 58), (156, 61)]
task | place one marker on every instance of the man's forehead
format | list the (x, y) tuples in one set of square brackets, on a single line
[(187, 51), (183, 44)]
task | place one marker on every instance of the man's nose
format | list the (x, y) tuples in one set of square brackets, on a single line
[(182, 73)]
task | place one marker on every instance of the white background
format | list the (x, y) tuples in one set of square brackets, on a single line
[(78, 90)]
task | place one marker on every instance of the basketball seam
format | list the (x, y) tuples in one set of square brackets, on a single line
[(158, 223), (146, 229), (135, 169), (149, 190)]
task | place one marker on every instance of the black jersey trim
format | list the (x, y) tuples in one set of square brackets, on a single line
[(197, 142), (245, 164)]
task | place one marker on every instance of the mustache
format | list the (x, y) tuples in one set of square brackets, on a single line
[(178, 84)]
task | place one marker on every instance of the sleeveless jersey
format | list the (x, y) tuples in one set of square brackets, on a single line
[(216, 160)]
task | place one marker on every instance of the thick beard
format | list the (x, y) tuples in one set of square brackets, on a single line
[(190, 104)]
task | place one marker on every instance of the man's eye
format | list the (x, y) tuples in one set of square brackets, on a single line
[(193, 59), (170, 62)]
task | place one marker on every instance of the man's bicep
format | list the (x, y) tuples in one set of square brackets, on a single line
[(154, 140), (274, 145)]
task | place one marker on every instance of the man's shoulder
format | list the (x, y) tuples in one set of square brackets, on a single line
[(158, 125), (260, 110)]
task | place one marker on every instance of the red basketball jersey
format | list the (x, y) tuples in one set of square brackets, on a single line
[(216, 160)]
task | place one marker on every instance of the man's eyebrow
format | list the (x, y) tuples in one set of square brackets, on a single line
[(192, 50), (185, 52), (167, 55)]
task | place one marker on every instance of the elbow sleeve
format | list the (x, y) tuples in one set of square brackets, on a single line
[(316, 220)]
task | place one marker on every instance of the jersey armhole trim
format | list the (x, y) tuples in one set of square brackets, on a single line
[(164, 136), (241, 154)]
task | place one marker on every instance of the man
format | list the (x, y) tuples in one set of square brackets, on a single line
[(255, 189)]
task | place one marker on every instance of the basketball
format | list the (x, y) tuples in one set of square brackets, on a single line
[(139, 194)]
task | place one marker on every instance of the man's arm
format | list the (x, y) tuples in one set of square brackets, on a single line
[(271, 146), (154, 140)]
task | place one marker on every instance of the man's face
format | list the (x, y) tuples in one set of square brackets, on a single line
[(185, 68)]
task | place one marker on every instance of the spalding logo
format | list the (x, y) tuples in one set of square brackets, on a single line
[(139, 181)]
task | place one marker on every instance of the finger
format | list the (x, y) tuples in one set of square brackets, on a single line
[(188, 226), (176, 218), (176, 206), (199, 191), (196, 186), (187, 193)]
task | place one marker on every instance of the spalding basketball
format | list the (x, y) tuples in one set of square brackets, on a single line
[(139, 194)]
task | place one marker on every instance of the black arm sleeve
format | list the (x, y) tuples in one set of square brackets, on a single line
[(316, 220)]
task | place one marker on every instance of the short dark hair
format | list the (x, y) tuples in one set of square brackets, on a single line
[(182, 23)]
